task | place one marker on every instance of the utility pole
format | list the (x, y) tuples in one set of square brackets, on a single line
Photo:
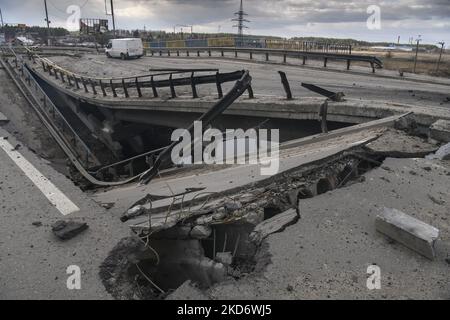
[(113, 20), (241, 22), (440, 55), (1, 17), (48, 23), (417, 53)]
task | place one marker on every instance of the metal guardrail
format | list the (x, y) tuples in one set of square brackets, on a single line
[(82, 151), (115, 86), (60, 129), (304, 55)]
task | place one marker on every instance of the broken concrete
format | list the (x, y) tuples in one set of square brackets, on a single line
[(398, 144), (411, 232), (225, 258), (440, 130), (273, 225), (66, 230), (200, 232), (442, 154)]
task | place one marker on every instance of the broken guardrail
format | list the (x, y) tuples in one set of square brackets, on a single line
[(304, 55), (239, 88)]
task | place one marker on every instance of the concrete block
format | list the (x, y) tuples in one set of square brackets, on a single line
[(409, 231), (3, 119), (201, 232), (275, 224), (440, 130)]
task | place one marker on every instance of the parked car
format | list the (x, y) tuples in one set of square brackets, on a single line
[(125, 48)]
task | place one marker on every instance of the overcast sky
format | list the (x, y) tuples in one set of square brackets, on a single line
[(286, 18)]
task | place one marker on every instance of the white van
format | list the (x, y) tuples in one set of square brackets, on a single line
[(125, 48)]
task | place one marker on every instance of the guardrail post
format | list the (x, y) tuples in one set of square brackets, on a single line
[(43, 66), (222, 53), (284, 58), (323, 111), (251, 55), (209, 53), (267, 56), (187, 53), (62, 77), (287, 87), (304, 60), (102, 86), (373, 66), (348, 64), (235, 54), (178, 53), (194, 89), (152, 52), (160, 53), (198, 53), (155, 92), (76, 82), (93, 86), (250, 92), (219, 86), (84, 85), (325, 60), (69, 80), (138, 88), (56, 73), (172, 88), (113, 88), (168, 53), (125, 89)]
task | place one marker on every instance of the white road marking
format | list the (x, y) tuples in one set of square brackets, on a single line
[(53, 194)]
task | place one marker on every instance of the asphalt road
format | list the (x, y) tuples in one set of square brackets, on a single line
[(359, 84), (33, 262)]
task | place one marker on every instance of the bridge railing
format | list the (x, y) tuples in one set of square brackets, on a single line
[(285, 53), (253, 42)]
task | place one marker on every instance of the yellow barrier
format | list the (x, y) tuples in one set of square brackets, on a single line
[(176, 44), (221, 42)]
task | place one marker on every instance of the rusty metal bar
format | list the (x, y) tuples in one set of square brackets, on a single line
[(335, 96), (286, 86), (194, 89)]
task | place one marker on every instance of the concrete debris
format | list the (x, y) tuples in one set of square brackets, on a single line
[(187, 291), (275, 224), (66, 230), (442, 154), (133, 212), (409, 231), (200, 232), (225, 258), (398, 144), (230, 207), (440, 130), (107, 206), (3, 119)]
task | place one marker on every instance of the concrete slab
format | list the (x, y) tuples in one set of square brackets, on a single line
[(440, 130), (327, 253), (411, 232)]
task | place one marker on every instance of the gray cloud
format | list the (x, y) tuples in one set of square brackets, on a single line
[(278, 17)]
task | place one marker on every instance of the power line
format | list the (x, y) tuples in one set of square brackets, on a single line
[(241, 20)]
